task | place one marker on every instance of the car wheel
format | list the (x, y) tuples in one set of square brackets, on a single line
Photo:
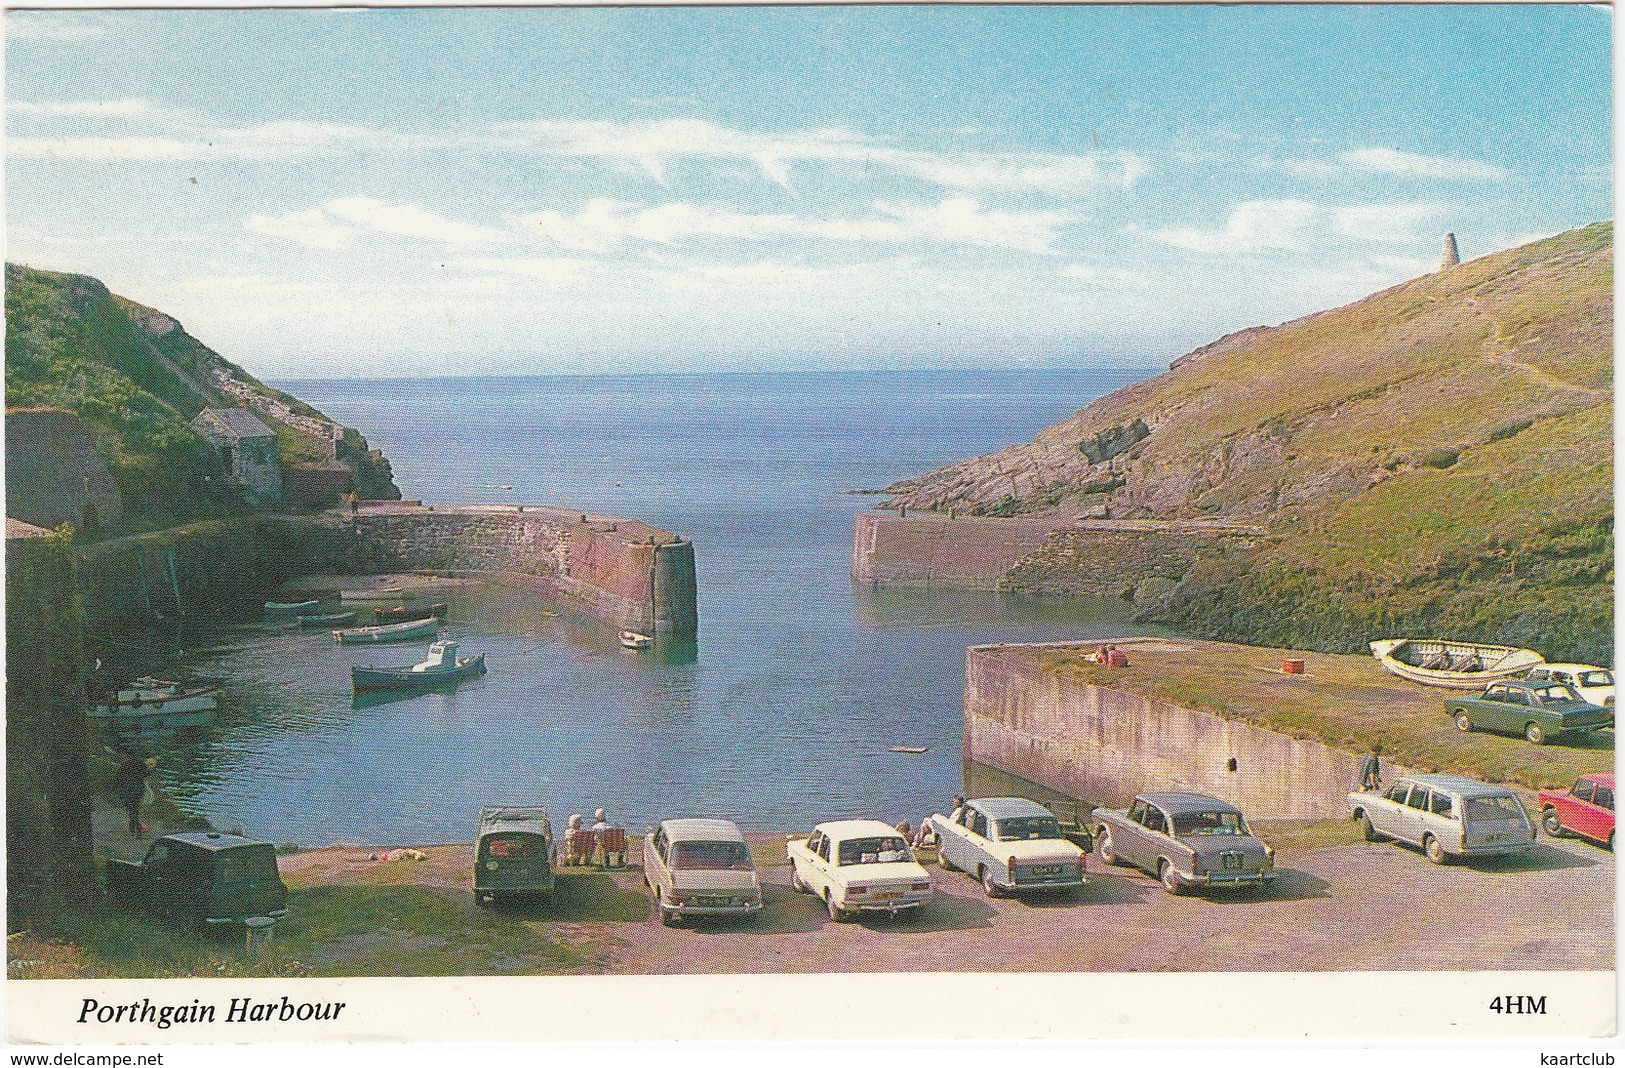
[(481, 900), (1368, 828), (1170, 882), (836, 913), (795, 880), (1107, 853), (668, 918), (991, 888), (1463, 722), (1533, 732), (1434, 850), (1553, 823)]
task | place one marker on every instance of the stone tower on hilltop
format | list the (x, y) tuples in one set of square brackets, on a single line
[(1449, 257)]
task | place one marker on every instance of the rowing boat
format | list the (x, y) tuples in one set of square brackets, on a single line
[(389, 632), (1453, 665)]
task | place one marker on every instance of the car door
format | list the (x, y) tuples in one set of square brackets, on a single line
[(981, 853), (1582, 814), (815, 873), (654, 861), (1387, 812), (1510, 709), (1151, 843), (1128, 834), (1429, 813)]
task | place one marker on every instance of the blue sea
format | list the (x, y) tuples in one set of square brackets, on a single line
[(799, 685)]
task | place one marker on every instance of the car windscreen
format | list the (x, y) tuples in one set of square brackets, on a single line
[(886, 850), (1208, 823), (711, 856), (1502, 807), (1596, 678), (1020, 828)]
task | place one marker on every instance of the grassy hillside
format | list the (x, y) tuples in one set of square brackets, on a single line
[(136, 379), (1434, 459)]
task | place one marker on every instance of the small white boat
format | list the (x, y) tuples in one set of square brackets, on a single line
[(1453, 665), (631, 639), (149, 703), (389, 632), (908, 749)]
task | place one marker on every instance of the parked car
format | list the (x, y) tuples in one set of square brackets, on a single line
[(858, 866), (1186, 841), (201, 878), (1592, 683), (1537, 709), (1447, 815), (1585, 809), (1011, 845), (513, 855), (700, 867)]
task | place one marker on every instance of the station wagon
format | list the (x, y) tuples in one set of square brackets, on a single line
[(201, 877), (1447, 815)]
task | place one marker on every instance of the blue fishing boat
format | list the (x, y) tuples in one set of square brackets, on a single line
[(441, 665)]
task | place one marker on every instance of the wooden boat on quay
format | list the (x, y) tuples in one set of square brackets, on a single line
[(440, 666), (403, 613), (156, 706), (389, 632), (1453, 665)]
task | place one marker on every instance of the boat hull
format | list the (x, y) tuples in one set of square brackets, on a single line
[(371, 678), (392, 632), (1404, 657), (337, 619)]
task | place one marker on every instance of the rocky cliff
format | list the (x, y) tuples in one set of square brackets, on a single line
[(135, 377), (1438, 455)]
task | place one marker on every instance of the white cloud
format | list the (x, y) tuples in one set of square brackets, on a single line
[(91, 109), (1411, 165), (410, 220), (653, 146), (187, 141), (1388, 222), (1255, 226), (556, 270), (602, 223), (312, 228)]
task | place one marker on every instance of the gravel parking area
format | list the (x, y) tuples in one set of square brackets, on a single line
[(1340, 908)]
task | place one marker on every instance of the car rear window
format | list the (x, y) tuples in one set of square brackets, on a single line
[(256, 864), (510, 845), (1019, 828), (873, 851), (712, 856), (1496, 807), (1596, 678), (1207, 823)]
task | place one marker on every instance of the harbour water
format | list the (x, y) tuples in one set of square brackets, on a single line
[(785, 710)]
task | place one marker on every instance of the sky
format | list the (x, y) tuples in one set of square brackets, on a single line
[(327, 193)]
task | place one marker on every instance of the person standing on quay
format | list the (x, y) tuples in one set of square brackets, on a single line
[(131, 777)]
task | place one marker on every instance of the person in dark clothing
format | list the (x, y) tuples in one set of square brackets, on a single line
[(1371, 769), (131, 780)]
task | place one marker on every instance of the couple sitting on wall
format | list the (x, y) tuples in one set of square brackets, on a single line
[(1110, 656)]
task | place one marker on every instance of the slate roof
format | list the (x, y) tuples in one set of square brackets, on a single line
[(241, 422)]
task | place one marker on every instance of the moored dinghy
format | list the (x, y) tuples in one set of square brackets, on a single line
[(1454, 665), (334, 619), (631, 639), (149, 704), (441, 665)]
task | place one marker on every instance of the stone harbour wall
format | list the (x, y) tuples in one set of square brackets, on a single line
[(1105, 745), (626, 573)]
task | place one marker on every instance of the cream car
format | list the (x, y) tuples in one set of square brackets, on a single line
[(858, 866), (1594, 684), (700, 867)]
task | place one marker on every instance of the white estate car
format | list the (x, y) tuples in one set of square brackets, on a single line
[(858, 866), (1594, 684), (700, 867)]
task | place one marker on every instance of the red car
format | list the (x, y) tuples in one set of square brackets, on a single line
[(1586, 809)]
